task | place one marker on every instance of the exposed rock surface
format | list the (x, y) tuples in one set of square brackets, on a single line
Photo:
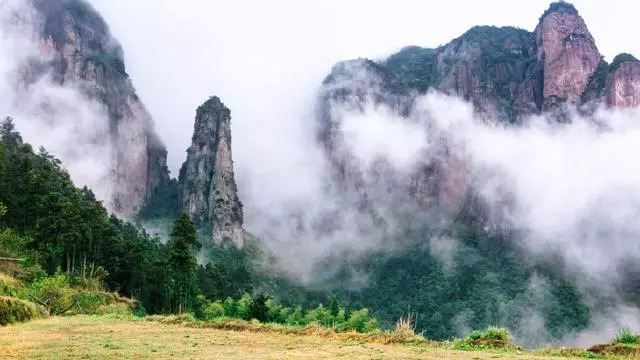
[(77, 49), (507, 74), (207, 184), (568, 53), (623, 83)]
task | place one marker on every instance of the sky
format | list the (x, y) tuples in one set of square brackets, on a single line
[(266, 59)]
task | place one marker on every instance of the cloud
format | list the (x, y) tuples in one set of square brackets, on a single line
[(60, 118)]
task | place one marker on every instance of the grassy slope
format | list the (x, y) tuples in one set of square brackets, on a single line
[(108, 337)]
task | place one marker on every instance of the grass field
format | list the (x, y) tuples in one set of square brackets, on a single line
[(109, 337)]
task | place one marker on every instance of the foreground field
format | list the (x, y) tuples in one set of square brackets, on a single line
[(92, 337)]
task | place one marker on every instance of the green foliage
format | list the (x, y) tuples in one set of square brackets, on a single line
[(164, 202), (264, 309), (414, 68), (485, 281), (52, 223), (182, 262), (12, 244), (597, 82), (492, 338), (359, 321), (114, 309), (625, 336), (559, 6), (9, 286), (53, 293), (214, 310), (619, 60), (109, 62), (259, 308), (14, 310), (243, 307)]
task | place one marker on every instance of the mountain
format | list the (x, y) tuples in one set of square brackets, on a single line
[(444, 257), (78, 50), (507, 74), (207, 184)]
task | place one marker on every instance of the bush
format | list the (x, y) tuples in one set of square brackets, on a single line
[(213, 310), (625, 336), (229, 307), (296, 317), (17, 310), (493, 338), (243, 307), (54, 293), (359, 321), (259, 308), (114, 309), (9, 286)]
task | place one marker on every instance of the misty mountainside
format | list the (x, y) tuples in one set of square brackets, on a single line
[(73, 51), (445, 248), (422, 229), (76, 49)]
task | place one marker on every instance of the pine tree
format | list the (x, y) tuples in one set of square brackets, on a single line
[(182, 262)]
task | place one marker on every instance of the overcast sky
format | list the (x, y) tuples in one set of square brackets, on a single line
[(265, 59)]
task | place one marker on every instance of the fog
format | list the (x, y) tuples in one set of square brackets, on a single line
[(571, 190), (61, 119), (266, 60)]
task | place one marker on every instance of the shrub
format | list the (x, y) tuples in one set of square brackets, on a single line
[(54, 293), (213, 310), (114, 309), (9, 286), (296, 317), (359, 321), (259, 308), (320, 316), (493, 338), (229, 307), (16, 310), (243, 307), (88, 303), (625, 336)]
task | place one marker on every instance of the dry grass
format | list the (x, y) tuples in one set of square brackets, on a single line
[(118, 337), (406, 324)]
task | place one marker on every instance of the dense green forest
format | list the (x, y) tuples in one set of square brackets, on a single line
[(485, 280), (55, 226), (67, 238)]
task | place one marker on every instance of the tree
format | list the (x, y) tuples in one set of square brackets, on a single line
[(259, 308), (182, 262), (8, 131)]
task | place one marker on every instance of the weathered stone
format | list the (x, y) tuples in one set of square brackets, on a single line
[(77, 49), (208, 187), (568, 53), (623, 83)]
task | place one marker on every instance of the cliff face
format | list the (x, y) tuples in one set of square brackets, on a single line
[(77, 49), (507, 74), (568, 54), (207, 185), (623, 83)]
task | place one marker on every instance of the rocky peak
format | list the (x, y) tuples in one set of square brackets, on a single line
[(623, 83), (78, 50), (208, 188), (567, 52)]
